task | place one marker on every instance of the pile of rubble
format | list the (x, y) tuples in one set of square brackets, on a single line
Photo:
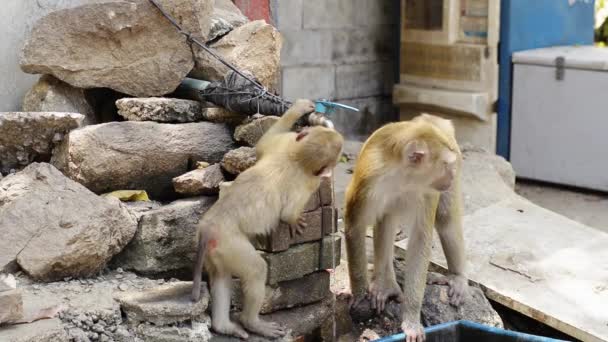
[(105, 117)]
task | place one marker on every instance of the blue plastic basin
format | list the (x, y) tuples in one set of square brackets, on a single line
[(460, 331)]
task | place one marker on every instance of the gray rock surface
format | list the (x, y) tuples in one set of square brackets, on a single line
[(123, 45), (226, 17), (139, 155), (436, 308), (251, 132), (486, 179), (239, 160), (194, 16), (46, 330), (254, 47), (27, 137), (164, 305), (11, 306), (52, 95), (159, 109), (193, 332), (165, 239), (204, 181), (55, 228)]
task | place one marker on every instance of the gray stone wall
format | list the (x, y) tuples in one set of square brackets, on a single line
[(18, 16), (344, 50)]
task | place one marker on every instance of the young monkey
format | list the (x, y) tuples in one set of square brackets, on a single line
[(406, 171), (289, 169)]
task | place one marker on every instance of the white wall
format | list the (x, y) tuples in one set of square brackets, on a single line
[(17, 18)]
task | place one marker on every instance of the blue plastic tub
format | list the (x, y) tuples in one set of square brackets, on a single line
[(460, 331)]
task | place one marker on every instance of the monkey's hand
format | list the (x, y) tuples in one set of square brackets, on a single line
[(381, 291), (458, 285), (353, 300), (414, 332), (298, 227), (302, 107)]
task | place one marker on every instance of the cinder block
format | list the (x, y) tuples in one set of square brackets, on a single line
[(303, 259), (326, 191), (313, 203), (280, 239), (309, 82), (329, 14), (307, 47), (309, 289), (11, 306), (363, 80), (361, 45), (329, 220), (288, 14)]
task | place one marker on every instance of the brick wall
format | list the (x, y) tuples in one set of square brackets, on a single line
[(344, 50)]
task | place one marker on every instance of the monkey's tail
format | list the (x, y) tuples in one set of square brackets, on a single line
[(198, 267)]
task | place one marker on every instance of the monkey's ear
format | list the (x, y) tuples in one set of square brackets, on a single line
[(415, 152)]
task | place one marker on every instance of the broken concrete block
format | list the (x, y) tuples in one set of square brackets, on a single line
[(306, 290), (192, 332), (326, 191), (151, 60), (139, 155), (254, 47), (251, 132), (303, 259), (56, 227), (226, 17), (163, 305), (329, 220), (52, 95), (221, 115), (166, 238), (204, 181), (25, 136), (280, 238), (304, 320), (11, 306), (7, 282), (239, 160), (46, 330), (160, 109)]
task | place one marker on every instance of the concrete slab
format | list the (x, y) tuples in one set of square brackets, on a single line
[(540, 264)]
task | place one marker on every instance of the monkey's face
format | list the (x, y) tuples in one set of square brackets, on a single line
[(431, 165), (318, 150)]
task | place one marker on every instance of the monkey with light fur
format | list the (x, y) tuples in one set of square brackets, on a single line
[(288, 171), (406, 172)]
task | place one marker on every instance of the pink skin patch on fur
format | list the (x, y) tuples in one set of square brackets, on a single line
[(212, 243)]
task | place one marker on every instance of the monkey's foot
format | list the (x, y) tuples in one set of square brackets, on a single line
[(380, 292), (458, 286), (353, 300), (266, 329), (230, 328), (414, 331)]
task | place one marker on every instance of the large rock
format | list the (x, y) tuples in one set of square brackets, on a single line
[(27, 137), (166, 304), (11, 306), (239, 160), (254, 47), (165, 239), (52, 95), (139, 155), (123, 45), (160, 109), (56, 228), (221, 115), (194, 16), (436, 308), (226, 17), (251, 132), (204, 181)]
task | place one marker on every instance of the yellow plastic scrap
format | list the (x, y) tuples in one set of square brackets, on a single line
[(129, 195)]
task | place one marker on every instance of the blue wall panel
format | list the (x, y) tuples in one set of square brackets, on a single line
[(530, 24)]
